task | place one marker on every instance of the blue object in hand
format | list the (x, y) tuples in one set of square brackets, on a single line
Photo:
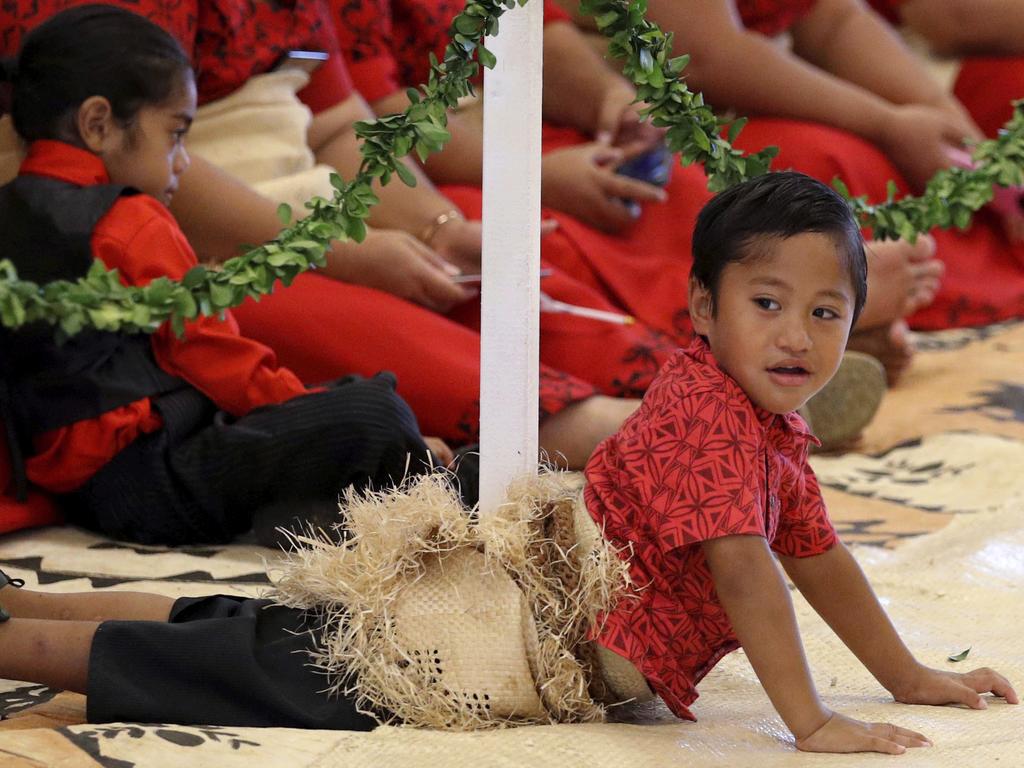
[(653, 167)]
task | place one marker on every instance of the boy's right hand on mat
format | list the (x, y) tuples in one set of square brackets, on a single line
[(844, 734)]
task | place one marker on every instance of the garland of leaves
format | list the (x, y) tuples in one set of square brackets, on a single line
[(100, 301)]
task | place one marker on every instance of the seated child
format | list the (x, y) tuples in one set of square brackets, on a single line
[(156, 439), (696, 491)]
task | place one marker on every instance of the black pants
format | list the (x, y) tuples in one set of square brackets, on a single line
[(206, 477), (218, 661)]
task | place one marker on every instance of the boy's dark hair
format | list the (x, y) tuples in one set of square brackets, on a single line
[(91, 50), (777, 205)]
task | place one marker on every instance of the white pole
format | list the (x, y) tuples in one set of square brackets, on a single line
[(510, 326)]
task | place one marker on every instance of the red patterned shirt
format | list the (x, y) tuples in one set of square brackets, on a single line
[(697, 461), (771, 17)]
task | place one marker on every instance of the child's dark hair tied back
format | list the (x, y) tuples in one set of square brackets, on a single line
[(781, 204), (90, 50)]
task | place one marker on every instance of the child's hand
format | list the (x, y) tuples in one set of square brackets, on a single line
[(935, 686), (844, 734)]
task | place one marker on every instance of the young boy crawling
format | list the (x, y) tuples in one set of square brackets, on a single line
[(710, 477), (698, 489)]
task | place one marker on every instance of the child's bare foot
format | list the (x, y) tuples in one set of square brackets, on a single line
[(902, 278), (889, 344)]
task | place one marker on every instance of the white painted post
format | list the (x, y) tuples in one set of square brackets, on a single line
[(510, 325)]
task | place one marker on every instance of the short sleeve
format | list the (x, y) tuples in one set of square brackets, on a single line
[(684, 471), (804, 525)]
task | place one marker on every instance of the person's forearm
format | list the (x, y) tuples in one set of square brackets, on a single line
[(757, 602), (219, 213), (837, 589), (576, 78), (835, 37), (747, 72), (461, 162), (411, 209)]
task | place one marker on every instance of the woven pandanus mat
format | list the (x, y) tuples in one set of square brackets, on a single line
[(963, 586)]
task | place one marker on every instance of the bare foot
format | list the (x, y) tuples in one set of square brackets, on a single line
[(889, 344), (571, 435), (902, 278)]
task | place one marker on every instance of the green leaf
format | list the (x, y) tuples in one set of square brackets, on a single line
[(487, 59), (284, 214), (405, 175), (194, 277), (221, 295), (959, 656), (734, 129)]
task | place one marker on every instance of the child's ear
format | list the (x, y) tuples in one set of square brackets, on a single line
[(96, 124), (702, 307)]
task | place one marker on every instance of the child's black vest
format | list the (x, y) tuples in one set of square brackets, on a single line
[(46, 227)]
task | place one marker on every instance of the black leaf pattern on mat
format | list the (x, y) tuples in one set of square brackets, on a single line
[(23, 697), (1003, 402), (44, 576), (140, 549), (91, 740)]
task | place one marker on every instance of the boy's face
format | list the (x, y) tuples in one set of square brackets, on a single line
[(150, 153), (781, 321)]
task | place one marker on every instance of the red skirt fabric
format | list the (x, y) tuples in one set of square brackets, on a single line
[(987, 86), (322, 328)]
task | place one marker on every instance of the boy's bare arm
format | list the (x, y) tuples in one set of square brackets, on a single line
[(754, 595), (837, 589)]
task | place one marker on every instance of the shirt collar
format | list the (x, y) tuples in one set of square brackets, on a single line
[(62, 161), (791, 422)]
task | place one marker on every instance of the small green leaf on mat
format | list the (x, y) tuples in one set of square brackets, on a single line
[(959, 656)]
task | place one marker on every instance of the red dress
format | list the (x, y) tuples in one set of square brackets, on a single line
[(696, 462), (645, 269)]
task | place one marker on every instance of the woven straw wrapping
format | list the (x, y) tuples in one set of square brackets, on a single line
[(437, 622)]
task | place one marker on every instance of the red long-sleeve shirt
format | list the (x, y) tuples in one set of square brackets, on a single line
[(138, 237)]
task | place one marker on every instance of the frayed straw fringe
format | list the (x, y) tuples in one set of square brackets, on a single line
[(390, 538)]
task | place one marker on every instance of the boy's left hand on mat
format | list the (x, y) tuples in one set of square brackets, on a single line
[(935, 686)]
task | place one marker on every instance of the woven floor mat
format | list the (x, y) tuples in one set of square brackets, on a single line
[(948, 446)]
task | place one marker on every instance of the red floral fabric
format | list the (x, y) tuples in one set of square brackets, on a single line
[(386, 42), (18, 17), (237, 39), (229, 40), (771, 17), (697, 461)]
